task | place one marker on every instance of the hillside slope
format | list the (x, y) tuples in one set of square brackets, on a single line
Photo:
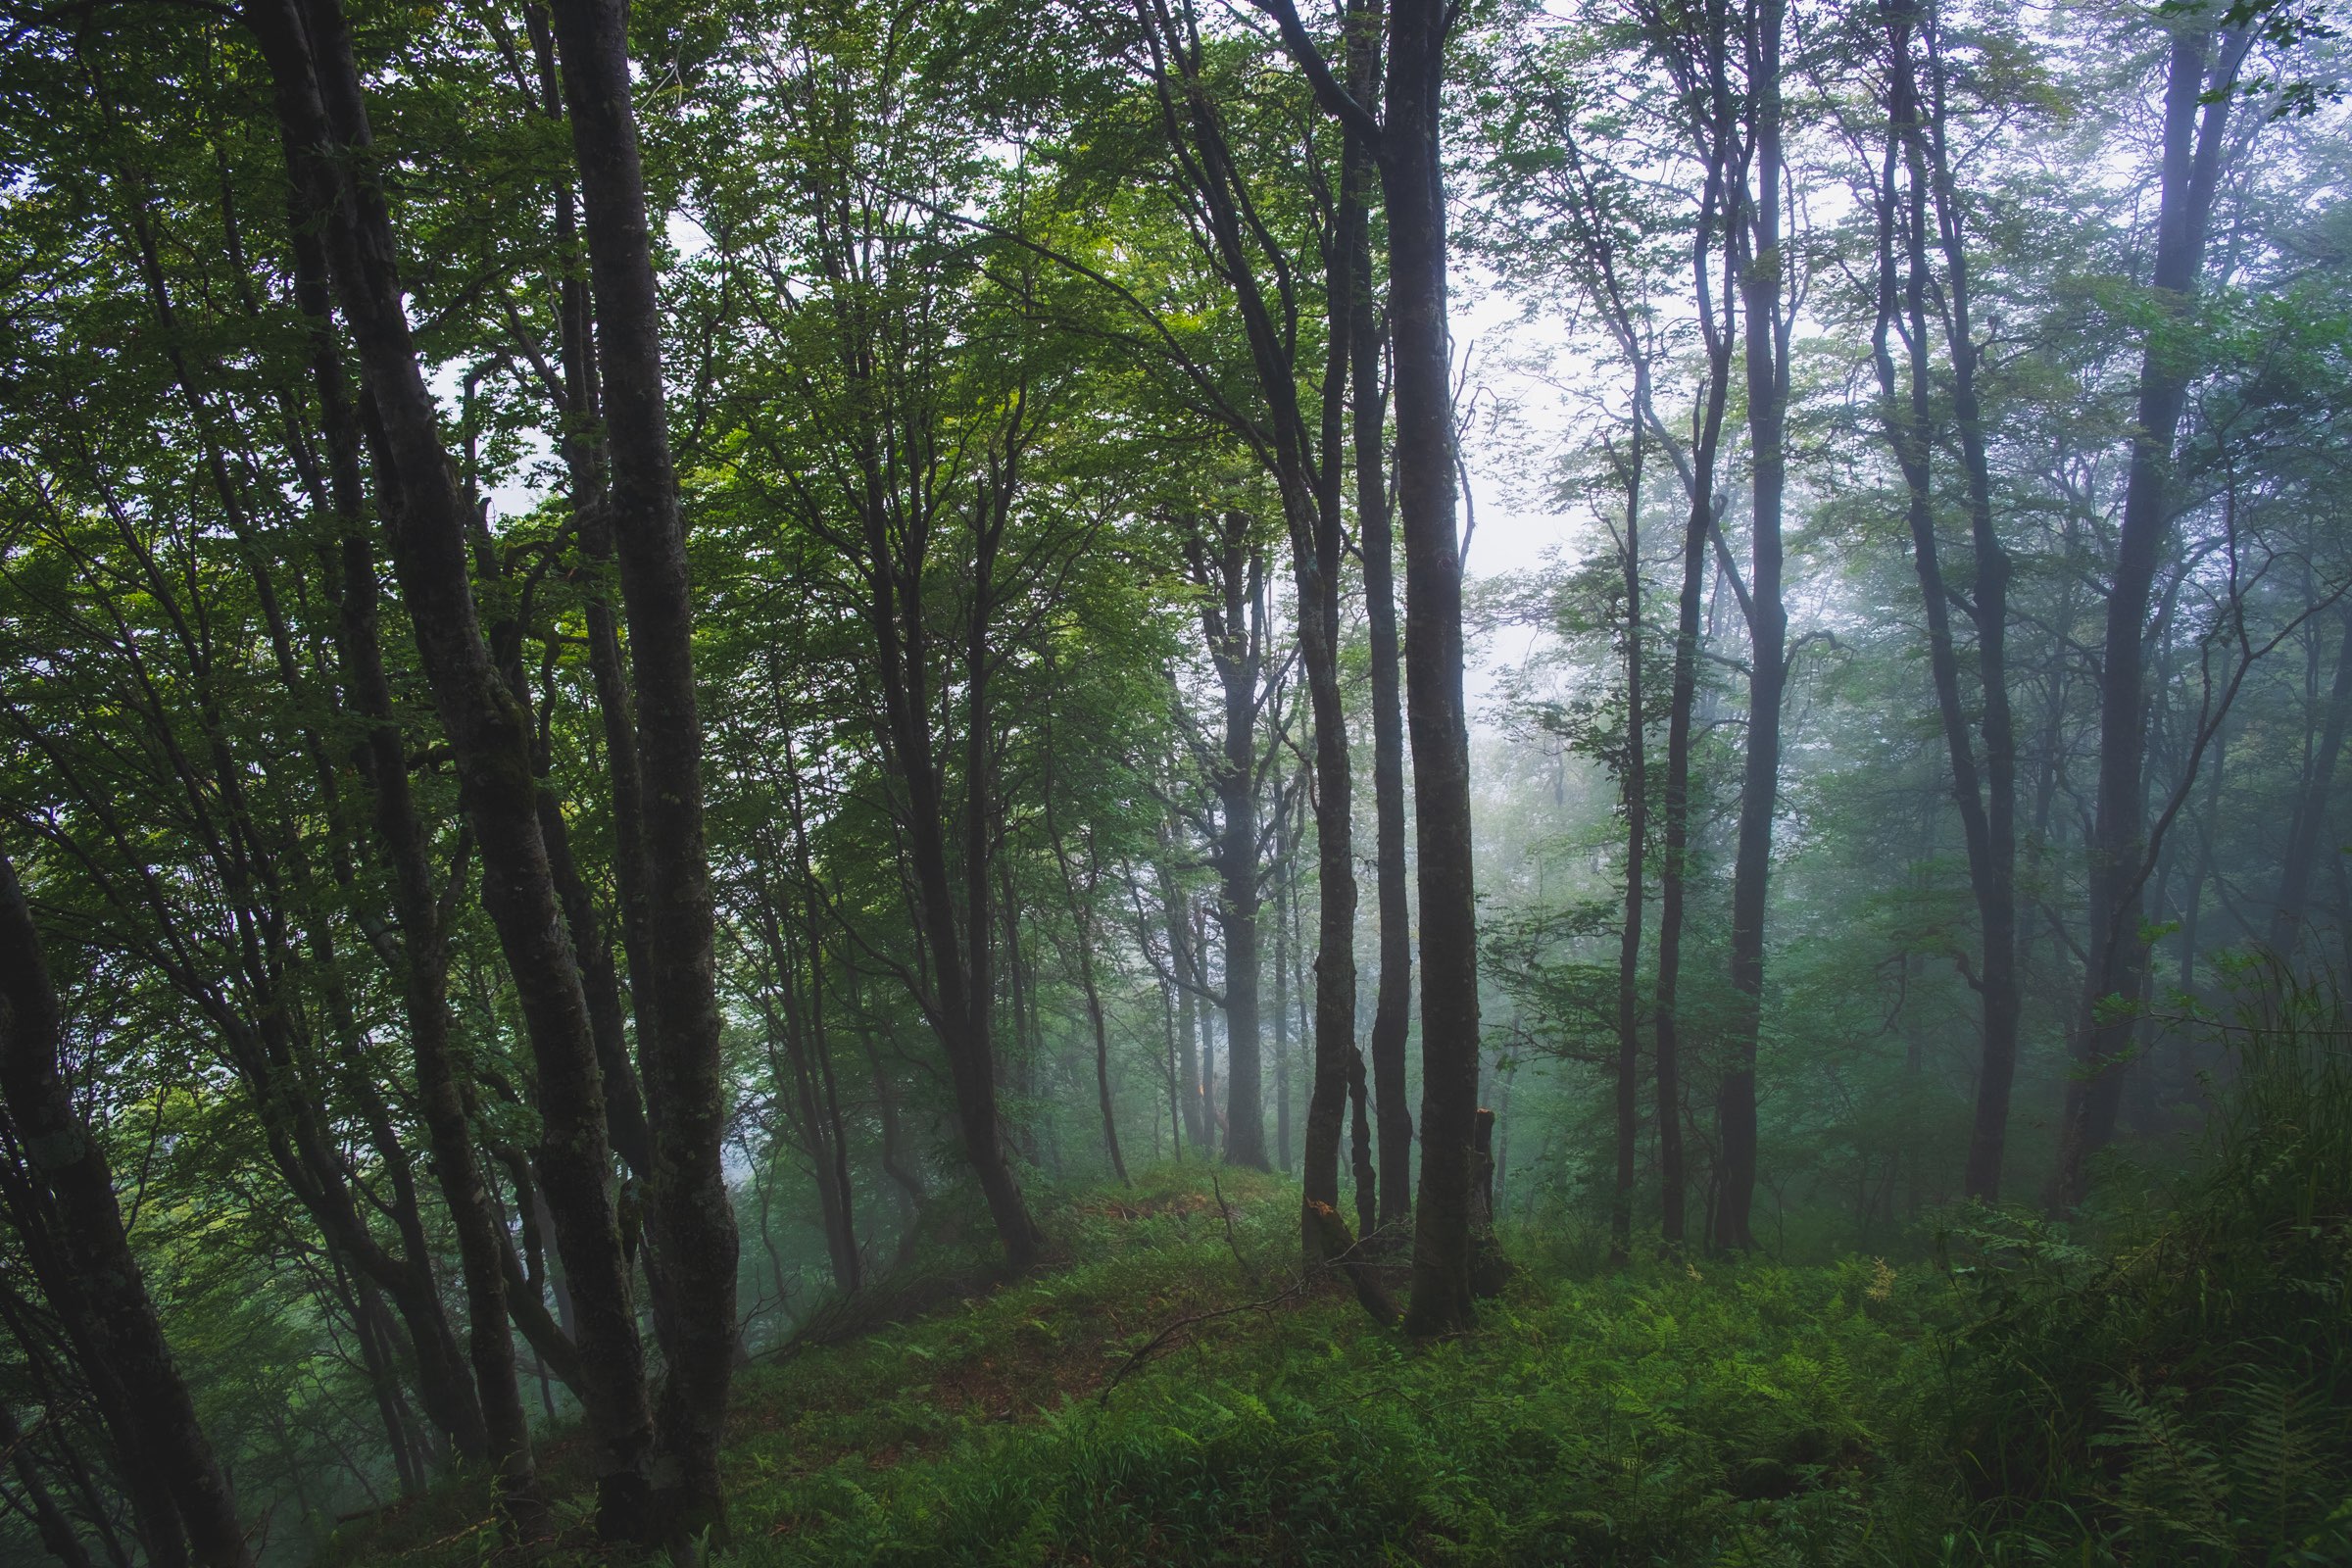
[(1167, 1391)]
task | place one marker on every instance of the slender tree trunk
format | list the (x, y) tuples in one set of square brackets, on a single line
[(1391, 1014), (105, 1280), (886, 1101), (1987, 809), (1633, 789), (958, 933), (1236, 632), (1182, 958), (2200, 75), (1083, 900), (1683, 701), (587, 469), (1310, 505), (1284, 893), (1413, 189), (1996, 890), (1764, 284), (423, 956), (695, 1235), (320, 107)]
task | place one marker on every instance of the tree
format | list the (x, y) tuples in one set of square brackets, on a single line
[(2200, 81), (96, 1277)]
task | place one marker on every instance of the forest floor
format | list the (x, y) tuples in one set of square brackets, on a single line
[(1128, 1405)]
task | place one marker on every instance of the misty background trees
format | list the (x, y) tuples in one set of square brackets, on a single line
[(654, 658)]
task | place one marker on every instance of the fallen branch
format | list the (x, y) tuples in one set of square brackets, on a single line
[(1343, 1254), (1295, 1286)]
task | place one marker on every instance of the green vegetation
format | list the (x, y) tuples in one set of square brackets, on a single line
[(1172, 781), (2178, 1391)]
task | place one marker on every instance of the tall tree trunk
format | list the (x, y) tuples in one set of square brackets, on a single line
[(1633, 790), (1310, 506), (1987, 809), (1083, 899), (423, 957), (1183, 960), (1764, 285), (695, 1237), (104, 1281), (1681, 705), (1391, 1013), (320, 107), (1233, 617), (587, 469), (1285, 894), (1998, 984), (959, 934), (1412, 185), (2201, 74)]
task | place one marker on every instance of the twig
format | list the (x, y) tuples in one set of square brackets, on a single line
[(1225, 1212), (1296, 1285)]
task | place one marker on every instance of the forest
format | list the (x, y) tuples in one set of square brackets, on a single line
[(1175, 781)]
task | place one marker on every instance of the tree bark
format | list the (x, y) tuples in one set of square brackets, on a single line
[(320, 106), (695, 1237), (2201, 72), (1391, 1013), (1764, 284), (1633, 791)]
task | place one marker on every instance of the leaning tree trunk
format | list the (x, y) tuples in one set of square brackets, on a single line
[(93, 1249), (423, 956), (321, 109)]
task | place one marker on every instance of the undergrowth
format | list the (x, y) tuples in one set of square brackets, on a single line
[(2176, 1390)]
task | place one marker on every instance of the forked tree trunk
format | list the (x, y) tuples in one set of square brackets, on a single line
[(1703, 74), (1988, 813)]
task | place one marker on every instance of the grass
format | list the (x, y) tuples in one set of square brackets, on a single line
[(2180, 1393), (1672, 1413)]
